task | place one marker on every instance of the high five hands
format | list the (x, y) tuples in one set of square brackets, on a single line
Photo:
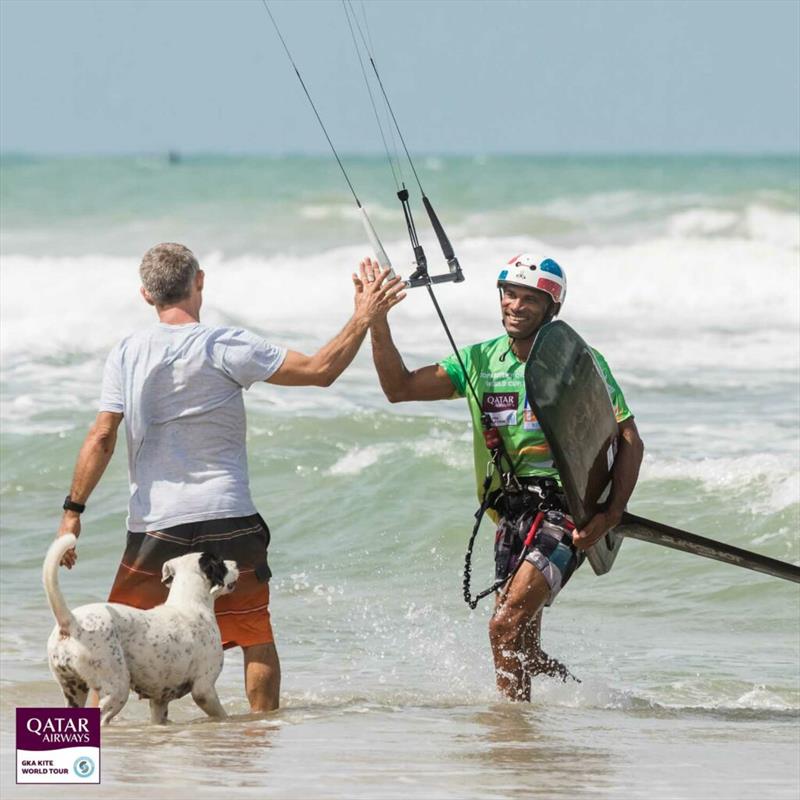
[(376, 292)]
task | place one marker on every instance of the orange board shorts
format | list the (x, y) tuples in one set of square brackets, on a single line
[(242, 615)]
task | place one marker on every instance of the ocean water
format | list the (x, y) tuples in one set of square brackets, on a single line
[(684, 272)]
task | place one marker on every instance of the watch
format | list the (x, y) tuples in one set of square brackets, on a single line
[(71, 505)]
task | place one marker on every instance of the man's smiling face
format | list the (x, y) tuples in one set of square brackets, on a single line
[(524, 311)]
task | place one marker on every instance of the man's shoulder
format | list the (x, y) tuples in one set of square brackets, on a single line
[(197, 330), (132, 339), (160, 336), (599, 357), (230, 333), (487, 349), (474, 353)]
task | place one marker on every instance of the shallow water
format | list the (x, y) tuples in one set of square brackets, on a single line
[(683, 273)]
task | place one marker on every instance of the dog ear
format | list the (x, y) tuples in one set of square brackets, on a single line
[(167, 572), (214, 569)]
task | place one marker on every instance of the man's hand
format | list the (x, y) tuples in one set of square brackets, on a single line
[(596, 528), (376, 293), (70, 523)]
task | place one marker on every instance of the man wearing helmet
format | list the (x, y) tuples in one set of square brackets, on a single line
[(532, 292)]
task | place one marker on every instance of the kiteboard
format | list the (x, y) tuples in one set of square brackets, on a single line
[(570, 398)]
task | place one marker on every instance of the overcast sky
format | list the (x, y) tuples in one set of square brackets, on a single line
[(120, 76)]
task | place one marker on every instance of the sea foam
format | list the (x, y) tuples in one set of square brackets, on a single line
[(81, 304), (684, 311)]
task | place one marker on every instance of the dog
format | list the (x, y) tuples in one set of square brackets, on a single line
[(161, 653)]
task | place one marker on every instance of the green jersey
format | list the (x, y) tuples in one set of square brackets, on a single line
[(499, 380)]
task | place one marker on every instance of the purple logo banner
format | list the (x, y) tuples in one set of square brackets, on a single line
[(500, 401), (58, 745)]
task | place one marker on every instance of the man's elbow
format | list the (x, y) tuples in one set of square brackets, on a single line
[(325, 379), (630, 436), (636, 444), (103, 438), (318, 371), (324, 374), (395, 394)]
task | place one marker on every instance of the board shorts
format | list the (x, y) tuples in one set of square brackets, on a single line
[(551, 551), (243, 615)]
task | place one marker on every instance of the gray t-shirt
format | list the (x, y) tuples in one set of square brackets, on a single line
[(180, 390)]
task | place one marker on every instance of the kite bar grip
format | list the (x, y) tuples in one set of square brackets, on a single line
[(444, 242), (375, 242)]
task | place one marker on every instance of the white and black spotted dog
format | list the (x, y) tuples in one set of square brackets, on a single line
[(162, 653)]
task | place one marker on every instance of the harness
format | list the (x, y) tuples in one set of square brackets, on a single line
[(514, 498)]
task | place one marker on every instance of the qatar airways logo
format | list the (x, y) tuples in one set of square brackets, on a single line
[(500, 401), (59, 730)]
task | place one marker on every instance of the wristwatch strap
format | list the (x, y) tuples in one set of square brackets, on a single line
[(71, 505)]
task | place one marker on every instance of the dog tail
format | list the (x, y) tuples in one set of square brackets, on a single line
[(53, 558)]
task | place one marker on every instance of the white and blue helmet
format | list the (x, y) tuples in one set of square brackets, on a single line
[(528, 271)]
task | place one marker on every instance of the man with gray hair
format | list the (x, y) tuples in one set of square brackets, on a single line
[(178, 385), (166, 272)]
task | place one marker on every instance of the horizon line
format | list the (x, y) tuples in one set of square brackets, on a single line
[(174, 152)]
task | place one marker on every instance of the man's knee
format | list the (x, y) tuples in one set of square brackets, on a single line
[(519, 608), (506, 627), (261, 659)]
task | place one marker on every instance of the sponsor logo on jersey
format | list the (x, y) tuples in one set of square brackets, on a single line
[(529, 421), (501, 407)]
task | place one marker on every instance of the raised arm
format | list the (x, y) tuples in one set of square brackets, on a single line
[(93, 458), (397, 381), (327, 364)]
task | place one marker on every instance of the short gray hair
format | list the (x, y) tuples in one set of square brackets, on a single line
[(167, 271)]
